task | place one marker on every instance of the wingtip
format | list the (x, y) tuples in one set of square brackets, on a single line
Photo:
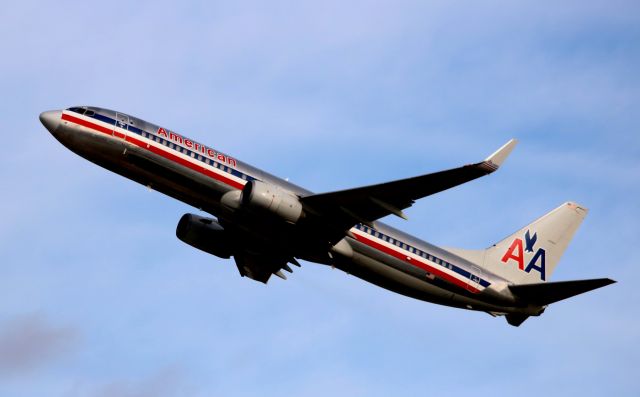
[(499, 156)]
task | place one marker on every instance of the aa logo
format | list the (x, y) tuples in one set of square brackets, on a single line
[(516, 252)]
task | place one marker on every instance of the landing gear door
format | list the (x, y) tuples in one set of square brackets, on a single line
[(121, 127)]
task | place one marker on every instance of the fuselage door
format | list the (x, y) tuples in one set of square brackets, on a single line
[(475, 275), (121, 126)]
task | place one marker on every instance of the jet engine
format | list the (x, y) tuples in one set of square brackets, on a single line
[(272, 199), (205, 234)]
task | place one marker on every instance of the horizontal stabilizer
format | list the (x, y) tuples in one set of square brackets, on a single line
[(546, 293)]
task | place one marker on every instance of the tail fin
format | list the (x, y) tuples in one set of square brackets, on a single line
[(531, 254)]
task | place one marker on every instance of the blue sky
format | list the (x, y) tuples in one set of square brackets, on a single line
[(98, 297)]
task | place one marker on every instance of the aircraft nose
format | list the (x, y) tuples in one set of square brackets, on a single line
[(51, 119)]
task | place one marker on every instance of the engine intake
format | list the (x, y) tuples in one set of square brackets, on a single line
[(205, 234), (273, 199)]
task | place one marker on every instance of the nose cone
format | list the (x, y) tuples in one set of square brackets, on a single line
[(51, 119)]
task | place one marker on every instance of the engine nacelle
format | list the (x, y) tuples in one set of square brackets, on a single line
[(273, 199), (205, 234)]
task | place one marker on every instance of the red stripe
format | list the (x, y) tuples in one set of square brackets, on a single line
[(415, 262), (84, 123), (154, 149), (203, 170)]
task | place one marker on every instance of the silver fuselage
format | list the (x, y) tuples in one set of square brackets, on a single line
[(200, 175)]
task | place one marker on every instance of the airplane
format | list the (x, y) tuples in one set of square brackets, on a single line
[(266, 223)]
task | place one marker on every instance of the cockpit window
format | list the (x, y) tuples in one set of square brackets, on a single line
[(82, 110), (78, 110)]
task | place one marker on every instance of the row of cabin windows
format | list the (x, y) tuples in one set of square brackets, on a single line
[(171, 145), (188, 152), (404, 246)]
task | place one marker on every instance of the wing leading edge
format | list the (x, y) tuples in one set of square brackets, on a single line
[(345, 208)]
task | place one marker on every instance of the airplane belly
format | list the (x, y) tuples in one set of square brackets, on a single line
[(389, 273)]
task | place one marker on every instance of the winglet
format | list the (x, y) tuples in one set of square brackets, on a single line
[(498, 157)]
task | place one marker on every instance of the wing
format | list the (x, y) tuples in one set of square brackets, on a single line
[(343, 209)]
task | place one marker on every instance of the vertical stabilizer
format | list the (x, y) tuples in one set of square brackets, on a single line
[(531, 254)]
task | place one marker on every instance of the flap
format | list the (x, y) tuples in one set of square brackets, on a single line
[(260, 267)]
